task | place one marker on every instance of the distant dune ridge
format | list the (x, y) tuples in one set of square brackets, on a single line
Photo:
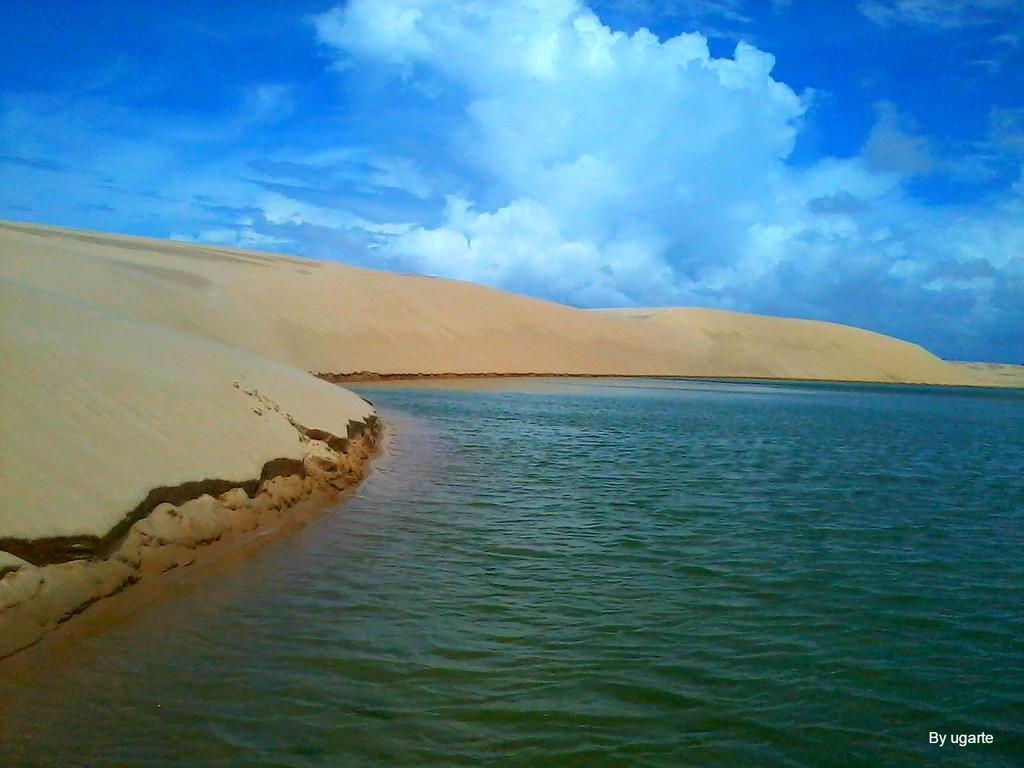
[(332, 318), (132, 364)]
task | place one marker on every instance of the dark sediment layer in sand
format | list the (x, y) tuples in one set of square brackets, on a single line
[(45, 583)]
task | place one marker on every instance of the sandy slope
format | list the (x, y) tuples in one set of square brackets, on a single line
[(98, 409), (121, 354), (333, 318), (125, 446), (994, 374)]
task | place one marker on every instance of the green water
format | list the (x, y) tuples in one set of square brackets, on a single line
[(634, 574)]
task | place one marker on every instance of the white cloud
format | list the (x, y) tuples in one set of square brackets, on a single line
[(609, 168), (614, 152), (521, 246), (528, 145), (234, 237), (279, 209)]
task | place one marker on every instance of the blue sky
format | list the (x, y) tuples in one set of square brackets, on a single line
[(859, 162)]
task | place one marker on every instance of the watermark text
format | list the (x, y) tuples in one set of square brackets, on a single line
[(959, 739)]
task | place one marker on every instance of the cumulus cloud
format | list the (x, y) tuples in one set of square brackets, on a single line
[(605, 168), (602, 155), (530, 145)]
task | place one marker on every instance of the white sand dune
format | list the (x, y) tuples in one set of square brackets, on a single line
[(98, 410), (125, 446), (332, 318), (157, 396), (124, 351)]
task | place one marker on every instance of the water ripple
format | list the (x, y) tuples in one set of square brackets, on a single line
[(658, 576)]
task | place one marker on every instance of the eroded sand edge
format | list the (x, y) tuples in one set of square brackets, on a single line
[(38, 597)]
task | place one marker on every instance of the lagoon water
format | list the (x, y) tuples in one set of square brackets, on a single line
[(616, 573)]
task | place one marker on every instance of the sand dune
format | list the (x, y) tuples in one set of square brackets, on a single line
[(332, 318), (125, 445), (157, 396), (98, 410)]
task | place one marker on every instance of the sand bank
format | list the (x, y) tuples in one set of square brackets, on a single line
[(35, 599), (125, 444)]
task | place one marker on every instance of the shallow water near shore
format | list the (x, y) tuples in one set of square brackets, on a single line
[(635, 573)]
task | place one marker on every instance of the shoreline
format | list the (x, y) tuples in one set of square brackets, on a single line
[(173, 529), (371, 377), (318, 316), (155, 393)]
